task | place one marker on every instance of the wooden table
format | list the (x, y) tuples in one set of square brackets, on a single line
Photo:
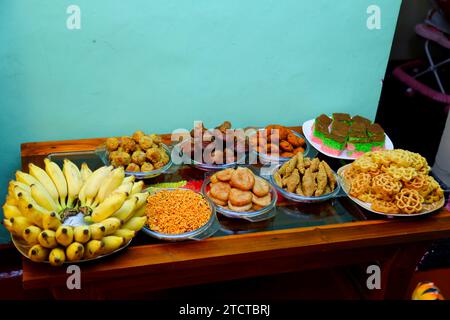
[(323, 240)]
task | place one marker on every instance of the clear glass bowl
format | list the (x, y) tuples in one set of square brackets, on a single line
[(209, 166), (266, 159), (102, 153), (24, 247), (298, 198), (252, 216), (205, 231)]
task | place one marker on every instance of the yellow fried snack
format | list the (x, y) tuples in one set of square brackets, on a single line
[(384, 206), (385, 185), (400, 179), (292, 181), (308, 183), (300, 163), (315, 164), (360, 184), (322, 180), (330, 175), (409, 201)]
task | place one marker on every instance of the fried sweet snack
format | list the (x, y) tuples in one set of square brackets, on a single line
[(321, 180), (225, 175), (384, 206), (399, 179), (409, 201), (242, 178), (244, 208), (217, 201), (277, 140), (309, 184), (220, 190), (261, 187), (385, 185), (239, 190), (262, 201), (360, 185), (305, 177), (240, 198), (138, 153)]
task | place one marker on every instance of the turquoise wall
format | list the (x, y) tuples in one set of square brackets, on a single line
[(161, 64)]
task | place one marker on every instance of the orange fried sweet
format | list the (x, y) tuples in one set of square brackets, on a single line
[(297, 150), (287, 154), (286, 146)]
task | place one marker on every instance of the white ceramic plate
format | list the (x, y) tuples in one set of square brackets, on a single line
[(428, 208), (307, 132)]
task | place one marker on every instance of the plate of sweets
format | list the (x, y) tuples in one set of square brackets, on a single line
[(213, 149), (303, 179), (241, 194), (394, 183), (277, 144), (345, 137)]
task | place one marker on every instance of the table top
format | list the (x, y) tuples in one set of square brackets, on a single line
[(331, 226)]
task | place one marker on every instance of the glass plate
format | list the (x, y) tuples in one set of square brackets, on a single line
[(103, 154), (298, 198), (428, 208), (252, 216), (266, 159), (205, 231), (206, 166), (24, 247)]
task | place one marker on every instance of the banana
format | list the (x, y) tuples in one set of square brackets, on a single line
[(126, 210), (112, 182), (10, 211), (124, 233), (137, 187), (93, 249), (57, 176), (51, 221), (82, 234), (8, 225), (88, 220), (142, 199), (85, 172), (43, 198), (21, 185), (74, 181), (129, 179), (139, 212), (64, 235), (19, 224), (47, 239), (26, 178), (108, 207), (31, 234), (75, 251), (97, 231), (135, 223), (38, 253), (111, 243), (45, 180), (57, 257), (111, 225), (92, 185), (125, 187), (35, 213), (11, 200)]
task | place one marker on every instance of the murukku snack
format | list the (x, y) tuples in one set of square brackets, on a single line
[(399, 181)]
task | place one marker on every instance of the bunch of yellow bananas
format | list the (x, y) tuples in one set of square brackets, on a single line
[(38, 202)]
